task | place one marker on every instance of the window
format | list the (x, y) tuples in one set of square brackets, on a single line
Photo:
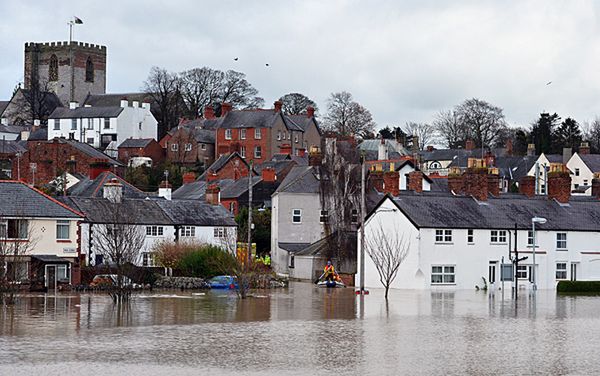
[(575, 185), (90, 123), (435, 165), (498, 236), (442, 274), (354, 216), (203, 147), (219, 232), (296, 138), (323, 216), (90, 141), (278, 135), (242, 134), (443, 236), (585, 182), (576, 172), (523, 272), (561, 240), (470, 236), (561, 270), (188, 231), (284, 135), (61, 273), (53, 68), (289, 136), (106, 123), (73, 124), (257, 134), (140, 125), (154, 231), (297, 216), (292, 261), (56, 124), (257, 152), (89, 70), (188, 147), (147, 259), (174, 147), (530, 239), (232, 207), (14, 229), (243, 151), (228, 134)]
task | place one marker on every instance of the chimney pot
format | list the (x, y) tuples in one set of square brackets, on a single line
[(268, 174), (124, 102), (310, 111), (164, 190), (415, 181), (277, 105), (189, 177), (113, 191), (584, 148)]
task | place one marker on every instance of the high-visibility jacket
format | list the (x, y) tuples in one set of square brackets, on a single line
[(329, 269)]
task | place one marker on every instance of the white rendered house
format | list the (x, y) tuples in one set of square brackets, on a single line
[(99, 126)]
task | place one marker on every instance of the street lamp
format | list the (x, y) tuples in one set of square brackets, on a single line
[(541, 221)]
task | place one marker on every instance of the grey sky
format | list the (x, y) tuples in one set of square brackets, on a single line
[(404, 61)]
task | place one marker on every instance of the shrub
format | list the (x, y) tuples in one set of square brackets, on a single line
[(207, 261), (169, 254), (578, 286)]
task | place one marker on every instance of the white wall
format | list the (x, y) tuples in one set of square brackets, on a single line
[(43, 238), (585, 174), (206, 234), (472, 261)]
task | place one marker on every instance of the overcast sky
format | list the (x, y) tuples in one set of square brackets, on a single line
[(404, 61)]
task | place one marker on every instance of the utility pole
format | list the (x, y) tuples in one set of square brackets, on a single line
[(362, 225), (250, 215)]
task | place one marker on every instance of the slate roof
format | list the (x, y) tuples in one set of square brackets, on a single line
[(3, 105), (303, 121), (320, 246), (196, 212), (15, 129), (114, 100), (439, 185), (136, 142), (223, 160), (131, 211), (514, 168), (20, 200), (292, 247), (89, 150), (301, 179), (11, 147), (39, 135), (592, 161), (95, 188), (280, 166), (50, 102), (433, 210), (554, 158), (371, 147), (239, 187), (197, 189), (85, 112), (206, 136), (257, 118)]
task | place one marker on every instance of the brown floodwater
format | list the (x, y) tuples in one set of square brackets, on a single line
[(301, 330)]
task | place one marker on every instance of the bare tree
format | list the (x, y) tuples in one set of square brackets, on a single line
[(296, 104), (165, 89), (450, 129), (483, 121), (347, 117), (201, 87), (591, 133), (237, 91), (388, 250), (16, 241), (119, 240), (425, 133)]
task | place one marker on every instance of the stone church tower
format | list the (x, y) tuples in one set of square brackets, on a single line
[(70, 70)]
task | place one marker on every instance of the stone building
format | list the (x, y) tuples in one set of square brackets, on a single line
[(70, 70)]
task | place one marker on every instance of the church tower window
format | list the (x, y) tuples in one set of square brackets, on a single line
[(53, 68), (89, 70)]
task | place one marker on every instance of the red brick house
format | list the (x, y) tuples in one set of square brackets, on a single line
[(189, 144), (259, 134), (230, 166), (140, 147), (45, 160)]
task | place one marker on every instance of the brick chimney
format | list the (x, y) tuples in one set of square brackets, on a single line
[(530, 150), (209, 112), (469, 144), (493, 181), (189, 177), (584, 148), (430, 148), (391, 182), (527, 186), (475, 183), (211, 176), (415, 181), (285, 149), (376, 180), (164, 190), (277, 105), (559, 186), (98, 166), (268, 175), (596, 187), (310, 111), (225, 108), (213, 193)]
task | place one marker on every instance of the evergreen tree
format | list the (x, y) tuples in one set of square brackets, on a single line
[(541, 132), (567, 135)]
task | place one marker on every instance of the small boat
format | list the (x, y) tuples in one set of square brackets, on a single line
[(331, 284)]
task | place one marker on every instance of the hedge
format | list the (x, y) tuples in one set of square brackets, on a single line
[(578, 286)]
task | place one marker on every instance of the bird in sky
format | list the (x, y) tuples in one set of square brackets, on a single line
[(267, 64), (236, 59), (548, 83)]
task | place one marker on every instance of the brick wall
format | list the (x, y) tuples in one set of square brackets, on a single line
[(225, 146), (152, 150)]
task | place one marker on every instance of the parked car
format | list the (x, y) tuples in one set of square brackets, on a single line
[(105, 280), (225, 282)]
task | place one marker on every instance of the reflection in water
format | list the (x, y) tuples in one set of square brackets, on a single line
[(299, 331)]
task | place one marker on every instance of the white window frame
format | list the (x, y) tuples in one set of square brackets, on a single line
[(228, 134), (297, 213), (243, 151), (523, 271), (498, 236), (187, 147), (203, 146), (73, 124), (576, 172), (470, 236), (559, 271), (90, 124), (106, 123), (57, 124), (61, 224), (561, 244), (22, 233), (242, 134), (219, 232), (174, 147), (257, 133), (443, 236), (188, 231), (323, 216), (446, 274), (257, 152), (155, 231), (278, 135), (147, 259)]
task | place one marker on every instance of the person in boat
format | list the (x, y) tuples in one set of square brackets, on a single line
[(329, 272)]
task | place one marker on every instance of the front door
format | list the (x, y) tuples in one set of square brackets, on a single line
[(574, 271), (492, 272), (51, 277)]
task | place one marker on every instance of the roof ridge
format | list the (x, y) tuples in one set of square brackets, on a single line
[(47, 197)]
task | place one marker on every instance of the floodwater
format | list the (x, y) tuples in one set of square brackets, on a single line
[(302, 330)]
